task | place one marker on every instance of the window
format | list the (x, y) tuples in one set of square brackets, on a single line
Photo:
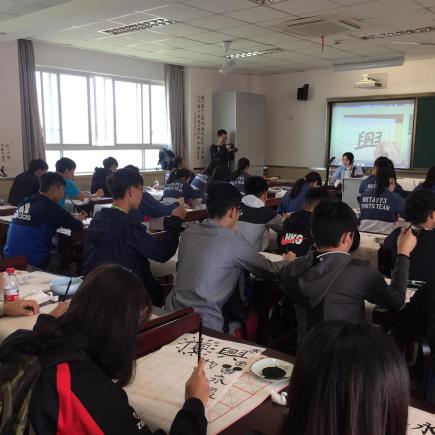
[(89, 117)]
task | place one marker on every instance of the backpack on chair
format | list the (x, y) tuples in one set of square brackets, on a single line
[(18, 376)]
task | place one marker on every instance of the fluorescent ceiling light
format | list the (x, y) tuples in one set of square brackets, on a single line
[(245, 54), (375, 63), (136, 27), (399, 33)]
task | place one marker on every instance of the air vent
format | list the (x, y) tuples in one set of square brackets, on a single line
[(319, 26)]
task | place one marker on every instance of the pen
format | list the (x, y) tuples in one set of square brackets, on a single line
[(67, 290)]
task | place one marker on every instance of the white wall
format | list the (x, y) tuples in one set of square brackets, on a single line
[(10, 109), (205, 82), (297, 129), (57, 56)]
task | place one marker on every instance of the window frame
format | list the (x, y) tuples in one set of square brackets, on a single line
[(61, 147)]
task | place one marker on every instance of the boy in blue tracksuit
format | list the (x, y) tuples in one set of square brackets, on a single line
[(36, 221), (178, 186)]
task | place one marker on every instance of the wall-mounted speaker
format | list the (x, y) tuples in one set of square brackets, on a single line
[(303, 92)]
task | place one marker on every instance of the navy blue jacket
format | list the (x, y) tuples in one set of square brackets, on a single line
[(33, 226), (149, 206), (290, 205), (178, 189), (117, 237), (370, 183)]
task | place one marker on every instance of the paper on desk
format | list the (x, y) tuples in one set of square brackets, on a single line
[(157, 392), (420, 422)]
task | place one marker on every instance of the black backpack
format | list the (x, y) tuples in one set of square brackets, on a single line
[(20, 369), (165, 158)]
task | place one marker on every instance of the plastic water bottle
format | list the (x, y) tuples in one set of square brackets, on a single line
[(156, 183), (11, 290)]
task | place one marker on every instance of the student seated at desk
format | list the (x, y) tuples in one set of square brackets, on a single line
[(212, 256), (346, 170), (380, 206), (27, 183), (87, 356), (328, 284), (199, 183), (36, 220), (296, 230), (294, 199), (149, 206), (178, 186), (420, 210), (66, 168), (241, 174), (348, 379), (255, 218), (99, 178), (114, 236), (429, 182), (370, 182)]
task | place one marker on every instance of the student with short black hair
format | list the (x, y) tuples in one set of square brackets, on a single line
[(328, 284), (27, 183), (211, 258), (348, 379), (36, 220), (199, 182), (370, 182), (241, 174), (221, 174), (347, 169), (380, 206), (87, 356), (149, 206), (296, 230), (429, 182), (294, 199), (99, 178), (256, 219), (177, 186), (66, 168), (420, 210), (115, 236)]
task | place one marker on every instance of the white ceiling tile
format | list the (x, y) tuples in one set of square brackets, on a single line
[(130, 18), (222, 6), (215, 22), (255, 15), (214, 49), (247, 30), (304, 7), (275, 38), (178, 12), (4, 17), (178, 29), (211, 37), (146, 35), (183, 43), (243, 44)]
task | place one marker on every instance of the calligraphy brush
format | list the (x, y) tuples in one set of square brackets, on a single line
[(199, 340), (67, 290)]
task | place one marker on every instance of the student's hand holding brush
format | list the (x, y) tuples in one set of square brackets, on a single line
[(197, 386)]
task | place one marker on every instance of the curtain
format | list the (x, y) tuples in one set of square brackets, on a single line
[(33, 141), (174, 84)]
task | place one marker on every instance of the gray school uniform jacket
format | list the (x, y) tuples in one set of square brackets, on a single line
[(210, 261), (334, 286), (255, 221)]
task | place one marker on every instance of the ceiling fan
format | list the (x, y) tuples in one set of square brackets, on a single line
[(228, 66)]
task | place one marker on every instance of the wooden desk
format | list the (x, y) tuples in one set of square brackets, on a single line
[(280, 182), (6, 210), (88, 207)]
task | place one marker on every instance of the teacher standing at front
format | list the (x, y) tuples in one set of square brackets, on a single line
[(221, 151)]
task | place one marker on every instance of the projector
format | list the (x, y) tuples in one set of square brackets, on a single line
[(368, 83)]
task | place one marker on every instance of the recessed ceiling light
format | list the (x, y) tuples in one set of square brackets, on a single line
[(399, 33), (136, 27), (245, 54)]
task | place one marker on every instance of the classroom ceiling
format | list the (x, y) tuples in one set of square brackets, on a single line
[(202, 25)]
